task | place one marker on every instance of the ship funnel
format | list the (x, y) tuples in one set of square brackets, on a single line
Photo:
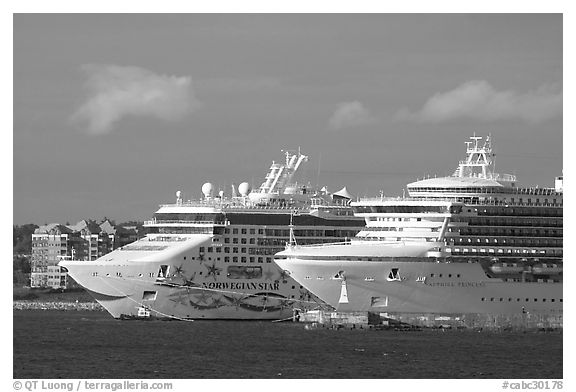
[(559, 184)]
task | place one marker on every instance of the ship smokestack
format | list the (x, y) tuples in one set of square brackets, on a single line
[(559, 184)]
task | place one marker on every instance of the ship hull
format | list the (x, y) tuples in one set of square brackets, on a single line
[(125, 290), (422, 287)]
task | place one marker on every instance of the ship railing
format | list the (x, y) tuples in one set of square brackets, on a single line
[(161, 222), (341, 243), (251, 207), (457, 199)]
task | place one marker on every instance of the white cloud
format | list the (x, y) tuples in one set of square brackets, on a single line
[(478, 100), (118, 91), (349, 115)]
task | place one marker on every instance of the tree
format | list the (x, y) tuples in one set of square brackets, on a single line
[(22, 238)]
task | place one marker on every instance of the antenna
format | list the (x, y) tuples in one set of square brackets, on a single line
[(318, 173)]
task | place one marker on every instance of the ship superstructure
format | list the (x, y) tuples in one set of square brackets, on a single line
[(470, 243), (213, 258)]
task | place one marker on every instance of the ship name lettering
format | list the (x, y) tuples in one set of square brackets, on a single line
[(241, 286), (456, 284)]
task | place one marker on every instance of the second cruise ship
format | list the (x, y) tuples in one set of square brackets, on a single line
[(473, 243)]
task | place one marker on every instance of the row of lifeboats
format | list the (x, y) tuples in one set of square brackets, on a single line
[(537, 269)]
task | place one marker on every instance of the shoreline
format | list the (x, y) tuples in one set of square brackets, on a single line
[(57, 305)]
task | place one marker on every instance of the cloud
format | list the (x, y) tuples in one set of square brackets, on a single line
[(115, 92), (350, 115), (478, 100)]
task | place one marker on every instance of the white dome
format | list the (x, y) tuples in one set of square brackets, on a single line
[(207, 189), (178, 194), (244, 188)]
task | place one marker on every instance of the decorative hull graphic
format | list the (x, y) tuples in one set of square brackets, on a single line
[(183, 295)]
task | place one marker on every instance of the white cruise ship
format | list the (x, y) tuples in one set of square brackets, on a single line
[(213, 258), (473, 243)]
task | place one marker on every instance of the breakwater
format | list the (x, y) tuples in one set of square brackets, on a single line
[(57, 305)]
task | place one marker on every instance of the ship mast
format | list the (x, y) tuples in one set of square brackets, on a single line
[(479, 162)]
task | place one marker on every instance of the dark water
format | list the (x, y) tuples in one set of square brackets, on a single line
[(53, 344)]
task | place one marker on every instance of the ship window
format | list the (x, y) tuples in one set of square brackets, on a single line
[(260, 260), (149, 295), (394, 275), (227, 259), (243, 259), (268, 259), (163, 271), (242, 272), (234, 231), (218, 250), (226, 240), (234, 240), (244, 231)]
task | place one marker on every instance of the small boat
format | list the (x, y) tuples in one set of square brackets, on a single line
[(506, 268), (547, 269)]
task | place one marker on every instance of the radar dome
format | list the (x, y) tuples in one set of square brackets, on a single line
[(178, 194), (207, 189), (244, 188)]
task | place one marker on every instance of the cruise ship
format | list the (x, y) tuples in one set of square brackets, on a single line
[(473, 244), (213, 258)]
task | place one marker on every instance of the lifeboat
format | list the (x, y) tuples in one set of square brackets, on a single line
[(506, 268), (547, 269)]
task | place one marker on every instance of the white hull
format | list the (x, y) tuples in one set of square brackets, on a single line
[(420, 286), (193, 289)]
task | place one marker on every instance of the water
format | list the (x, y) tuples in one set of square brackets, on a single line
[(54, 344)]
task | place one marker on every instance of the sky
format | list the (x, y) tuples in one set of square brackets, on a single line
[(113, 113)]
